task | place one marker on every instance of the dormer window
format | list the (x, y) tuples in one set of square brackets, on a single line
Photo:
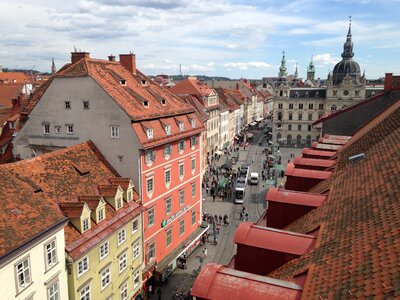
[(129, 196), (144, 82), (146, 103), (167, 129), (163, 101), (119, 202), (11, 125), (122, 82), (317, 95), (296, 94), (193, 122), (100, 215), (306, 94), (181, 126), (85, 224), (149, 133)]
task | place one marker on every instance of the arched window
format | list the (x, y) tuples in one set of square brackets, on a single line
[(289, 139), (279, 137), (280, 116), (333, 108), (298, 140), (308, 140)]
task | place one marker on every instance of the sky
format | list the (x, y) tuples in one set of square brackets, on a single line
[(231, 38)]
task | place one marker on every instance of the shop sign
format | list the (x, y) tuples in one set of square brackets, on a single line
[(174, 216)]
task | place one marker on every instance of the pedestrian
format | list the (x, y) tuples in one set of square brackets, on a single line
[(246, 216), (220, 219), (205, 252), (159, 293), (218, 228), (207, 190), (214, 197), (225, 219), (150, 289), (203, 238), (241, 216), (243, 209)]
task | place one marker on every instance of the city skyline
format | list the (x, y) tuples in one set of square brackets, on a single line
[(215, 38)]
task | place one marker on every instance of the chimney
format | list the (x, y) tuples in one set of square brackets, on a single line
[(388, 81), (111, 57), (128, 61), (75, 56)]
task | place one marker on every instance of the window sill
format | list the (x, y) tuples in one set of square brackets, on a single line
[(24, 289), (50, 268)]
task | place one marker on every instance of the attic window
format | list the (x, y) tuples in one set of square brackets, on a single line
[(149, 133), (181, 126), (356, 158), (167, 129), (16, 212), (81, 172), (122, 82), (146, 103), (38, 190), (163, 101), (143, 82), (193, 122)]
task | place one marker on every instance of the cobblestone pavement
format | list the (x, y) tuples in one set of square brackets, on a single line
[(182, 280)]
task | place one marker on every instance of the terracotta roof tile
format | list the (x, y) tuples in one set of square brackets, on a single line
[(9, 92), (358, 254)]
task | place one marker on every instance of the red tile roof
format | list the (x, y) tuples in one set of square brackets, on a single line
[(295, 197), (358, 256), (219, 282), (191, 86), (196, 104), (49, 180), (316, 174), (14, 77), (227, 99), (324, 163), (9, 92)]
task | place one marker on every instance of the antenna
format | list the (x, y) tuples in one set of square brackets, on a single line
[(180, 70)]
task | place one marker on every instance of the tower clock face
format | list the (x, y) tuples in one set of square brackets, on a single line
[(346, 92)]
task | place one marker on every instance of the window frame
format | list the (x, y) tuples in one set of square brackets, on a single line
[(46, 252), (193, 217), (106, 245), (167, 177), (121, 236), (87, 295), (46, 128), (135, 228), (26, 272), (152, 247), (182, 197), (114, 131), (105, 275), (136, 249), (168, 237), (85, 225), (67, 105), (181, 169), (123, 260), (150, 133), (86, 105), (150, 216), (168, 205), (81, 261), (56, 293), (181, 225), (57, 129), (150, 179), (136, 278), (194, 189), (70, 128), (123, 291)]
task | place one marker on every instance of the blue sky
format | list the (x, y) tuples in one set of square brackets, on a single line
[(233, 38)]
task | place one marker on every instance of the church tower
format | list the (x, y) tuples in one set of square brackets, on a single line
[(311, 70), (282, 68), (53, 66)]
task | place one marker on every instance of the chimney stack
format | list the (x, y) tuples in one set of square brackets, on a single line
[(111, 57), (128, 61), (388, 81), (76, 56)]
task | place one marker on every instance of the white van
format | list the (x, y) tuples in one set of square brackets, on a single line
[(254, 178)]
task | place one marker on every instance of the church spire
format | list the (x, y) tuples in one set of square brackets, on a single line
[(282, 68), (53, 66), (311, 70), (296, 73), (348, 45)]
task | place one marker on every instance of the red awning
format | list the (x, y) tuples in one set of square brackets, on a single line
[(318, 153), (332, 141), (315, 174), (337, 137), (301, 161), (219, 282), (294, 197)]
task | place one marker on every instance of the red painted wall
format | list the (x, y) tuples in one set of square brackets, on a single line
[(161, 192), (281, 214), (259, 261), (302, 184)]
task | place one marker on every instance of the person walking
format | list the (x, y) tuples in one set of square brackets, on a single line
[(246, 216), (205, 252), (220, 220), (241, 216)]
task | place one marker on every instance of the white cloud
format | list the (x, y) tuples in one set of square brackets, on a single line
[(325, 59), (247, 65), (232, 46)]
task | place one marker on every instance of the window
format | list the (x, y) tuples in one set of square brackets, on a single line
[(181, 169), (193, 141), (149, 133), (193, 217), (193, 122), (299, 127), (280, 105), (136, 278), (321, 106), (290, 116), (83, 265), (119, 202), (114, 132), (84, 293), (11, 125), (181, 197), (167, 129), (167, 177), (309, 117), (85, 224), (57, 129), (193, 161), (136, 249), (51, 254), (181, 226), (309, 127), (193, 189), (86, 105), (100, 216), (310, 106), (152, 251), (121, 236), (300, 116), (52, 292), (163, 101), (122, 82), (23, 274), (289, 127), (104, 250), (150, 185), (181, 145), (150, 217), (46, 128), (124, 291), (334, 93), (105, 278), (357, 93), (167, 150), (306, 95), (135, 225), (290, 105), (181, 126), (169, 236), (122, 262), (333, 107), (150, 156), (67, 104), (70, 129), (168, 206), (319, 115), (300, 105)]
